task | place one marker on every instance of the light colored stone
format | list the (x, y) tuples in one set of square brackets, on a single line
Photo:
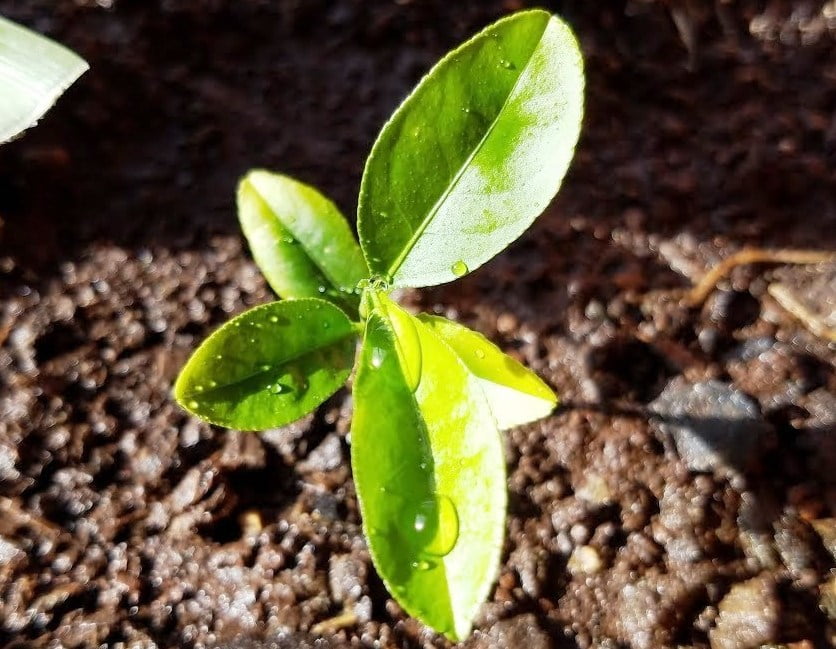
[(585, 560), (749, 615)]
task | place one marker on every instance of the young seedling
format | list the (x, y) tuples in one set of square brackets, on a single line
[(462, 168)]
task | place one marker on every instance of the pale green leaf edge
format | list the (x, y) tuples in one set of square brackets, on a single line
[(543, 402)]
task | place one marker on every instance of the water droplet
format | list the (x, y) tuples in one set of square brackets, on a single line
[(277, 388), (480, 353), (252, 341), (325, 325), (507, 64), (265, 368), (435, 526), (219, 357), (423, 565), (407, 343), (198, 388), (274, 318), (213, 384), (459, 268), (193, 404), (423, 465), (321, 289), (378, 354), (465, 109)]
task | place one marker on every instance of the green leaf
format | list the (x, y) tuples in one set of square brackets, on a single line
[(429, 471), (300, 240), (516, 395), (34, 72), (474, 154), (269, 366)]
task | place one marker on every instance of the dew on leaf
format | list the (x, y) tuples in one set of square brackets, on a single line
[(378, 354), (409, 348), (459, 268), (193, 404), (434, 526), (480, 353)]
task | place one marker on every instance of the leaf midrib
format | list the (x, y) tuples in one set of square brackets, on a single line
[(464, 167), (290, 359), (320, 269)]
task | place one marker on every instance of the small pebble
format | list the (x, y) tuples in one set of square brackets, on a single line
[(585, 560)]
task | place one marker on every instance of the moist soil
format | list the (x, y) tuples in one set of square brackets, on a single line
[(709, 127)]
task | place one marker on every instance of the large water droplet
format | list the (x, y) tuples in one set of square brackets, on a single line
[(193, 404), (408, 345), (276, 388), (274, 318), (507, 64), (435, 526), (378, 355), (459, 268), (480, 353), (198, 388)]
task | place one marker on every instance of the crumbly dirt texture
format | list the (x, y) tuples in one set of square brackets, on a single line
[(124, 522)]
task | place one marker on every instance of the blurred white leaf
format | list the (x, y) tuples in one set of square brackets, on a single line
[(34, 72)]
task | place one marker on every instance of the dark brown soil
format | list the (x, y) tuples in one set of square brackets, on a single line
[(122, 520)]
